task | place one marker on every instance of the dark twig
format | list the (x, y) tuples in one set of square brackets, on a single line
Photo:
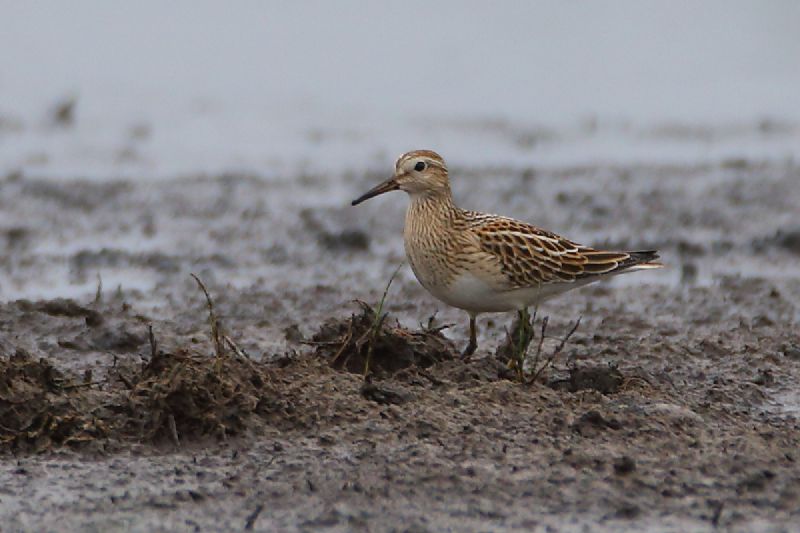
[(173, 431), (431, 327), (252, 517), (98, 295), (568, 335), (81, 385), (125, 381), (431, 320), (545, 321), (153, 344), (555, 353), (717, 507), (235, 347), (345, 341), (213, 322)]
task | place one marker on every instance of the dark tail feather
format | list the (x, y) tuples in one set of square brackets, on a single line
[(641, 259), (600, 262)]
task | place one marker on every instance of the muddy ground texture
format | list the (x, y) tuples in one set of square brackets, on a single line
[(674, 405)]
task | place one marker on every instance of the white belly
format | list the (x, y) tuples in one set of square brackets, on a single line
[(472, 294)]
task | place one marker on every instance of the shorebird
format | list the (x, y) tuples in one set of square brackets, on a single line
[(485, 263)]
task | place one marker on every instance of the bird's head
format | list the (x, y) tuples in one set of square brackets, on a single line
[(419, 173)]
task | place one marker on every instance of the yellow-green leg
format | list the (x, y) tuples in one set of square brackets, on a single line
[(473, 339)]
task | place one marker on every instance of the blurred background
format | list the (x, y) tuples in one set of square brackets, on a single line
[(168, 89), (141, 141)]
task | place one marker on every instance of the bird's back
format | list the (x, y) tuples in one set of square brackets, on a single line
[(527, 256)]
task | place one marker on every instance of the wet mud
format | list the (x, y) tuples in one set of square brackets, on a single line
[(125, 405)]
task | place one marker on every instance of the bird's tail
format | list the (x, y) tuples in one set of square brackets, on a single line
[(605, 262), (642, 260)]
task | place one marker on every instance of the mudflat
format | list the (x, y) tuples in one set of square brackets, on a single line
[(674, 406)]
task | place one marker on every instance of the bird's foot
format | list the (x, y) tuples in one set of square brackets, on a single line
[(469, 350)]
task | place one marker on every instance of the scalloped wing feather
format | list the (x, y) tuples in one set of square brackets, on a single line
[(531, 257)]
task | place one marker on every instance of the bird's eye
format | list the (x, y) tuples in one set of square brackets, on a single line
[(419, 167)]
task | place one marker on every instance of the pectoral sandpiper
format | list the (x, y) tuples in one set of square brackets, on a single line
[(484, 263)]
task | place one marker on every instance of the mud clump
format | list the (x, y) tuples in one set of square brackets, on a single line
[(348, 343), (118, 340), (174, 396), (786, 239), (63, 113), (789, 239), (384, 394), (179, 394), (41, 408), (186, 394), (65, 308), (352, 240), (603, 379), (624, 465), (591, 423)]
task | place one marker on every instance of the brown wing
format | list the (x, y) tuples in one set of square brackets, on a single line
[(532, 257)]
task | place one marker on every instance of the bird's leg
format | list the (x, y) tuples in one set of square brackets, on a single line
[(473, 339)]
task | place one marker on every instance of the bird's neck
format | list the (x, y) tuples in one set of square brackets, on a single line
[(431, 210)]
